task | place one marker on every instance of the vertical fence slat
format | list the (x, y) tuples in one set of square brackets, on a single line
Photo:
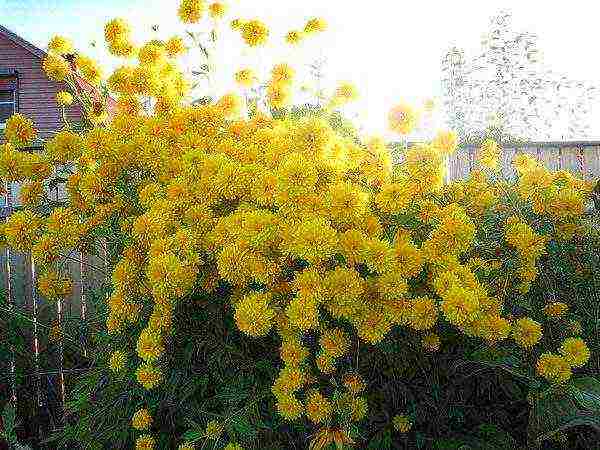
[(507, 169), (550, 157), (591, 156), (569, 160), (9, 300)]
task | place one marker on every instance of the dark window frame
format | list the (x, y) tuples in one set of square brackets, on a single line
[(10, 74)]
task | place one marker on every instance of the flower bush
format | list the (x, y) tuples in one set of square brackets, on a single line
[(276, 279)]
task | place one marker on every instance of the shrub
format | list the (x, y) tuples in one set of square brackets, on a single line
[(276, 280)]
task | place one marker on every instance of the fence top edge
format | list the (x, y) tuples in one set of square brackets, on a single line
[(562, 144)]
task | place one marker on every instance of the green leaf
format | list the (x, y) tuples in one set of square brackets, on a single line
[(9, 415), (193, 436), (242, 426), (558, 410), (586, 391)]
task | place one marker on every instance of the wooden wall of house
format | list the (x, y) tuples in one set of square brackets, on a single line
[(36, 93)]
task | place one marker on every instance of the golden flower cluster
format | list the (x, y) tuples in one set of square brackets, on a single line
[(316, 232)]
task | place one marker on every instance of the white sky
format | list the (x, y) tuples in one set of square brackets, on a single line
[(391, 49)]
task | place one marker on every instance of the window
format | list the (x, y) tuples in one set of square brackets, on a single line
[(8, 98)]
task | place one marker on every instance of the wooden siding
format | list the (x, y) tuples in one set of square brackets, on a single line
[(36, 93)]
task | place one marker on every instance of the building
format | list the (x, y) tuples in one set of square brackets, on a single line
[(24, 87)]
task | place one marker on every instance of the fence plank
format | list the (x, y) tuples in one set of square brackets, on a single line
[(550, 158), (461, 164), (570, 160), (591, 157), (506, 168)]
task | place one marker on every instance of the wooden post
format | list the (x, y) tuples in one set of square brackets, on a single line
[(9, 300)]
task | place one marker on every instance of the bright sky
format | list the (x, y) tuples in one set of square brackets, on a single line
[(390, 49)]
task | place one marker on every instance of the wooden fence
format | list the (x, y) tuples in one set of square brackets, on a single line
[(580, 157), (39, 379)]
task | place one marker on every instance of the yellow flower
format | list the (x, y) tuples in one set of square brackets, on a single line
[(282, 73), (54, 287), (335, 342), (19, 130), (575, 352), (554, 368), (56, 67), (279, 95), (145, 442), (213, 430), (255, 33), (253, 315), (217, 10), (431, 342), (402, 423), (489, 154), (148, 376), (445, 142), (423, 314), (245, 77), (294, 37), (402, 119), (64, 98), (152, 53), (318, 408), (344, 93), (556, 309), (175, 47), (289, 407), (117, 361), (233, 446), (32, 193), (526, 332), (293, 353), (315, 25), (116, 29), (89, 69), (236, 24), (191, 11), (354, 383), (141, 420), (60, 45), (230, 104), (149, 345), (186, 446)]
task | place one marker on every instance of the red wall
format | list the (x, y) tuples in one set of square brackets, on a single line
[(36, 93)]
